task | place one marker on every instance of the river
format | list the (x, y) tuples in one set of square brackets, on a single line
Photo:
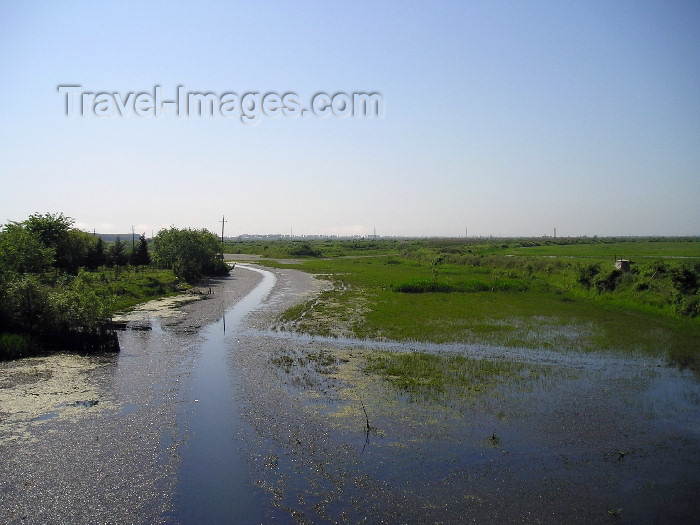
[(213, 414)]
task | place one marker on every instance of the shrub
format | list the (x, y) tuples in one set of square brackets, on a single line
[(14, 346), (608, 283), (688, 306), (586, 273), (304, 250), (685, 280), (189, 253)]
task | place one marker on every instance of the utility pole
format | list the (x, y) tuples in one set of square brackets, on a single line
[(223, 220), (133, 239)]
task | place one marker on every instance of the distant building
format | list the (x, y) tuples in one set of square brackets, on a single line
[(623, 264)]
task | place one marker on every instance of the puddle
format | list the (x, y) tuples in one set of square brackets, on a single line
[(85, 404), (128, 409), (45, 417), (569, 438)]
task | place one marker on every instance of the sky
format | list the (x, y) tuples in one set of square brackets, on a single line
[(503, 118)]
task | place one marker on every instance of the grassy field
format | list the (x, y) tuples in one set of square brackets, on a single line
[(621, 249), (569, 297), (128, 286)]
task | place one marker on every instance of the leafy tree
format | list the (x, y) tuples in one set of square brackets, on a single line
[(25, 304), (52, 230), (41, 309), (76, 250), (22, 251), (189, 253)]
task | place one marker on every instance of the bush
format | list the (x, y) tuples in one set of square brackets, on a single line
[(305, 250), (14, 346), (608, 283), (190, 254), (685, 280), (688, 306), (586, 273)]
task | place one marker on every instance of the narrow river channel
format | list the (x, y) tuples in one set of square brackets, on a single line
[(213, 482), (236, 420)]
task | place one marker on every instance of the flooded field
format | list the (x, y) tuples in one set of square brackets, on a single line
[(578, 438), (210, 415)]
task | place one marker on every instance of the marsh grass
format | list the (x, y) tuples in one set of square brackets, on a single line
[(306, 370), (130, 286), (14, 346), (425, 376), (479, 294)]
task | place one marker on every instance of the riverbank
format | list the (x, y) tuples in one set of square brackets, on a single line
[(546, 438), (89, 439)]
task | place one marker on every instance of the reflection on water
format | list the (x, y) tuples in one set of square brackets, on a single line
[(213, 483)]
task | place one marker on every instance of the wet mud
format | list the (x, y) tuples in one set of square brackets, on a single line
[(311, 436)]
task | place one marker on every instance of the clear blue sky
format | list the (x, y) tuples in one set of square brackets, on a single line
[(506, 118)]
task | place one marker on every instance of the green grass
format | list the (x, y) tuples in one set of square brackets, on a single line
[(438, 292), (604, 247), (622, 249), (432, 377), (14, 346), (286, 249), (127, 287)]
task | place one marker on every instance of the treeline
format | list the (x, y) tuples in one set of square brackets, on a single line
[(47, 301), (42, 307)]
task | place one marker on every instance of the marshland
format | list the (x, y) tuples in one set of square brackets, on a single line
[(397, 380)]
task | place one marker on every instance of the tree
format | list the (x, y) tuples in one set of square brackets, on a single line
[(117, 254), (140, 256), (22, 251), (25, 303), (76, 250), (189, 253), (52, 230), (96, 256)]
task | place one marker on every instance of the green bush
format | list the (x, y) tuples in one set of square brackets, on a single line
[(608, 282), (586, 273), (190, 254), (14, 346)]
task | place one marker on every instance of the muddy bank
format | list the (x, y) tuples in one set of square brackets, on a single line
[(564, 444), (316, 438), (87, 439)]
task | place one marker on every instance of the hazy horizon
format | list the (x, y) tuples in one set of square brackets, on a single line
[(508, 119)]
